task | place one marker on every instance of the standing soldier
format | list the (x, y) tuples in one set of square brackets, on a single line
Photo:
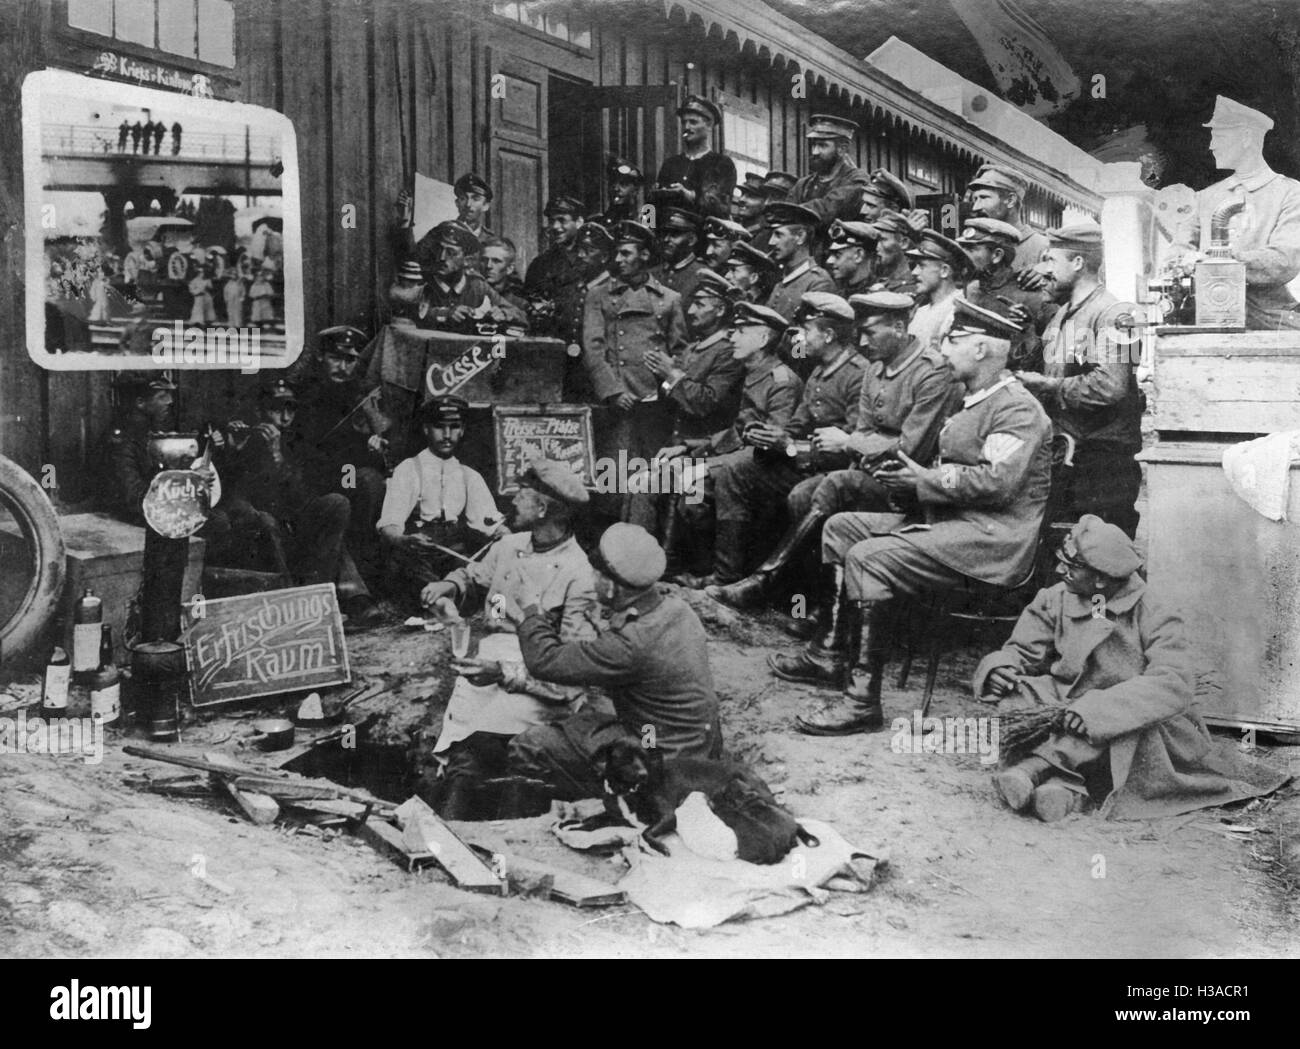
[(721, 236), (792, 227), (939, 266), (697, 178), (678, 231), (851, 257), (176, 137), (998, 192), (136, 131), (896, 236), (594, 245), (123, 133), (457, 295), (747, 208), (884, 192), (625, 181), (992, 246), (473, 201), (556, 274), (833, 189), (752, 272)]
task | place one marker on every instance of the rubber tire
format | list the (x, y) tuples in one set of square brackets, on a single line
[(39, 525)]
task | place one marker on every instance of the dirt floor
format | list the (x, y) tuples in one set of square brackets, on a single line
[(92, 863)]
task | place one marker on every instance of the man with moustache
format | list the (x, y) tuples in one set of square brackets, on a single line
[(625, 180), (851, 257), (833, 187), (720, 237), (992, 247), (791, 229), (895, 237), (678, 233), (1089, 384), (556, 274), (998, 192), (751, 272), (457, 295), (698, 178), (498, 256), (747, 209), (594, 244), (473, 200), (884, 192), (908, 391), (939, 268)]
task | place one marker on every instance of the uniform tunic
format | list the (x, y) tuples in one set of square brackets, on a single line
[(682, 277), (707, 397), (556, 275), (768, 395), (989, 289), (835, 195), (805, 277), (711, 177), (620, 322)]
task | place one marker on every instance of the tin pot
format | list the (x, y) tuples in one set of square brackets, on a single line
[(273, 733)]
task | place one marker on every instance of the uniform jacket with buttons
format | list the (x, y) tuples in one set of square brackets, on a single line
[(681, 278), (903, 405), (792, 287), (830, 395), (984, 498), (619, 324), (707, 397), (768, 395), (989, 289), (652, 660), (835, 195), (711, 177)]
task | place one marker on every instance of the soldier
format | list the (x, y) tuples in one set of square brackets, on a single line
[(678, 233), (907, 393), (1089, 385), (457, 296), (992, 247), (622, 320), (895, 238), (625, 181), (884, 192), (721, 236), (145, 405), (751, 272), (555, 277), (652, 661), (765, 472), (342, 441), (473, 201), (851, 257), (702, 389), (777, 186), (792, 228), (939, 266), (747, 208), (434, 501), (267, 474), (833, 188), (499, 255), (698, 178), (983, 504), (1265, 235), (998, 192), (540, 565)]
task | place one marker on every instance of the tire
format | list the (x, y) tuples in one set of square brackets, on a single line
[(21, 496)]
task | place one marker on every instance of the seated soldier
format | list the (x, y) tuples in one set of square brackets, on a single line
[(1096, 648), (720, 237), (907, 393), (435, 508), (267, 475), (992, 247), (747, 480), (851, 257), (652, 660), (459, 299), (495, 698), (752, 271), (499, 255), (983, 504)]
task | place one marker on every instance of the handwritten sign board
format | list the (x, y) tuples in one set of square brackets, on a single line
[(526, 433), (264, 644)]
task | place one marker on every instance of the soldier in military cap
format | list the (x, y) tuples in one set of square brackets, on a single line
[(457, 295), (625, 181), (765, 472), (554, 280), (145, 404), (851, 257), (406, 302), (940, 266), (833, 187), (697, 178), (720, 236), (678, 233), (752, 272), (792, 227), (1101, 649), (652, 661), (1089, 384), (473, 201), (998, 192), (992, 247), (883, 192), (433, 500), (895, 237), (594, 246), (982, 503), (777, 186), (498, 256), (747, 208), (623, 319), (540, 565), (907, 393), (267, 473)]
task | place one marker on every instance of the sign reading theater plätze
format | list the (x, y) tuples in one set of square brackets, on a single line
[(527, 433), (264, 644)]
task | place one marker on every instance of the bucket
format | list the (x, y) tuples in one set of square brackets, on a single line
[(162, 677)]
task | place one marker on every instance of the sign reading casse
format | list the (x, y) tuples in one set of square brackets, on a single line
[(526, 433), (263, 644)]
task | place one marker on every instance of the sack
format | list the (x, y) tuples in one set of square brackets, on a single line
[(765, 832)]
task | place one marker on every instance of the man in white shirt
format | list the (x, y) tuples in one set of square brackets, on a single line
[(435, 504), (940, 266)]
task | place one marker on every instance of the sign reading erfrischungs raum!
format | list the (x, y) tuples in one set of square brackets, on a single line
[(264, 644), (163, 229)]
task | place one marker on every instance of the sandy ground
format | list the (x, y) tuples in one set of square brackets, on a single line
[(93, 865)]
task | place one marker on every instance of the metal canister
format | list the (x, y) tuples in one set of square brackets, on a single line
[(161, 679)]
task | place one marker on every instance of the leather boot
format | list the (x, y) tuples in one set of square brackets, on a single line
[(808, 627), (824, 661), (751, 591), (858, 708), (672, 538), (523, 798), (1016, 784), (728, 553)]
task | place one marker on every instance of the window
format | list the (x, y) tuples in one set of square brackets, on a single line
[(746, 137), (547, 17), (194, 29), (924, 170)]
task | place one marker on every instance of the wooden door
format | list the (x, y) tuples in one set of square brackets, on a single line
[(639, 124), (519, 147)]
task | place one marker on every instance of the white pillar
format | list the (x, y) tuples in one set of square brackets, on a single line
[(1126, 227)]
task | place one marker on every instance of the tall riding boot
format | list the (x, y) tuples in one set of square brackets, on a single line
[(750, 591), (728, 553), (824, 661), (858, 708), (673, 538)]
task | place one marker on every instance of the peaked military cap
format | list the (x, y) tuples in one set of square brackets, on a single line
[(1228, 113), (1101, 546), (278, 389), (472, 183), (457, 233), (824, 125), (702, 106), (446, 410), (142, 382), (931, 244), (624, 171), (989, 231), (1001, 178), (629, 232), (670, 217), (778, 183), (563, 205), (596, 233), (753, 184), (969, 319), (745, 254), (724, 229), (1083, 235), (713, 284), (889, 189), (823, 305), (343, 340), (750, 313), (783, 213), (850, 234), (893, 222), (869, 304)]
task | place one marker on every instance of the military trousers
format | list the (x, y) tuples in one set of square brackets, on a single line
[(879, 566)]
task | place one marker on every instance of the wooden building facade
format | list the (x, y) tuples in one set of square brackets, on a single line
[(536, 97)]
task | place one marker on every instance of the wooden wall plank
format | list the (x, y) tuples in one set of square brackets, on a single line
[(393, 71), (349, 159)]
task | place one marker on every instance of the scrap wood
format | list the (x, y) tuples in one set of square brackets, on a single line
[(260, 808), (566, 886), (424, 832), (225, 765), (388, 839)]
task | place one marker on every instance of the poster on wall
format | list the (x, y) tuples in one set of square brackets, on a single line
[(163, 230)]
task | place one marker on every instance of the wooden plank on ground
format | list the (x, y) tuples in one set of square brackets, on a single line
[(423, 831), (259, 808)]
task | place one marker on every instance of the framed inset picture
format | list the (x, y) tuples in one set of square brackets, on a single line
[(163, 230)]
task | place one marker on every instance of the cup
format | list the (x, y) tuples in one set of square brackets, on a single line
[(459, 632)]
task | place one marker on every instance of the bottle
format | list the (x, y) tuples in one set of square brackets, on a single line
[(87, 615), (54, 696), (105, 685)]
